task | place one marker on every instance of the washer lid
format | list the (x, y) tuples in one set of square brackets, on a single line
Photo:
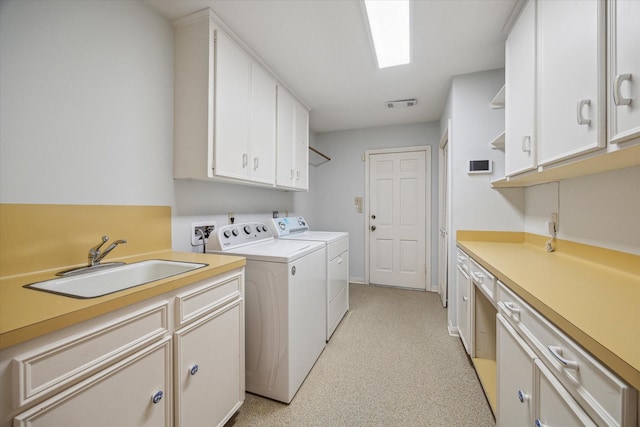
[(318, 236), (276, 250)]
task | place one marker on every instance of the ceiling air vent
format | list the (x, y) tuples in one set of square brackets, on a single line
[(401, 103)]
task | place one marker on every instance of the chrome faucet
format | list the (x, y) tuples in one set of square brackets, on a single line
[(95, 256)]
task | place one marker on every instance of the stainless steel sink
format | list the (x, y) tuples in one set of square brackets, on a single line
[(103, 282)]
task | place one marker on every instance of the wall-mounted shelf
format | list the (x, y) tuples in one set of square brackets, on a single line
[(317, 158), (498, 101), (498, 141)]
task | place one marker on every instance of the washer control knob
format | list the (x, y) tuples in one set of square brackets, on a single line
[(247, 229), (226, 234), (235, 232)]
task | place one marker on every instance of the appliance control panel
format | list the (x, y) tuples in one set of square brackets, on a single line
[(235, 235), (288, 225)]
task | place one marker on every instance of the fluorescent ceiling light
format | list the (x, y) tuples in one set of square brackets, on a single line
[(390, 26)]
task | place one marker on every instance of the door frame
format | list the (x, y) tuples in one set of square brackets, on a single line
[(444, 194), (427, 211)]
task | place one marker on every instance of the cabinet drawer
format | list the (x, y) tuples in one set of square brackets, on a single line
[(207, 297), (462, 259), (51, 368), (338, 248), (601, 394), (484, 280)]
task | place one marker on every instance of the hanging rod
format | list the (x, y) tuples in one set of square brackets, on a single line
[(319, 153)]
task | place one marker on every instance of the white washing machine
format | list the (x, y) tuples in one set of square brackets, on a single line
[(337, 263), (284, 305)]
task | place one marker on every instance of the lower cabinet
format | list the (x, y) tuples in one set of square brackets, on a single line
[(175, 359), (135, 391), (207, 368), (464, 312), (514, 378)]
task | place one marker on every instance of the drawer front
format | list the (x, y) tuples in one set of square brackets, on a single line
[(602, 394), (51, 368), (484, 280), (462, 259), (207, 297), (337, 248)]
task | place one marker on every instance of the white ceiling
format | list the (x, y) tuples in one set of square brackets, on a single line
[(321, 48)]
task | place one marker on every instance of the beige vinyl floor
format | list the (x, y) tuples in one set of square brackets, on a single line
[(391, 362)]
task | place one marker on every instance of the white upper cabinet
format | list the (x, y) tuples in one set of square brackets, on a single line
[(571, 72), (624, 70), (225, 106), (520, 53), (293, 143)]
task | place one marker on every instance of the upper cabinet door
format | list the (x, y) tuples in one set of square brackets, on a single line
[(232, 106), (570, 78), (263, 126), (624, 70), (520, 66), (301, 163), (285, 173)]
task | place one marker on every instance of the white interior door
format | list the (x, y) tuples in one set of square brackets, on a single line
[(397, 219), (443, 245)]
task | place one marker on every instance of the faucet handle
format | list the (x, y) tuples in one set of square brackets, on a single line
[(94, 252)]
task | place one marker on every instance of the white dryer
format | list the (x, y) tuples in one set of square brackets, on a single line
[(284, 305), (337, 263)]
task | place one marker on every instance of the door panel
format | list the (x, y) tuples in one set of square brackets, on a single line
[(397, 223)]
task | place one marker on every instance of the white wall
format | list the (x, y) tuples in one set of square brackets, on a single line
[(600, 210), (86, 112), (86, 115), (335, 184), (474, 204)]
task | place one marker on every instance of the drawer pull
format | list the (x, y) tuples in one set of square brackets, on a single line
[(157, 397), (522, 396), (557, 353), (581, 119), (194, 369), (539, 423), (511, 308)]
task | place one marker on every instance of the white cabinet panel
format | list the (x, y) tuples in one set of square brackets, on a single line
[(262, 142), (209, 368), (624, 70), (464, 315), (570, 78), (292, 143), (555, 406), (128, 393), (520, 53), (515, 378)]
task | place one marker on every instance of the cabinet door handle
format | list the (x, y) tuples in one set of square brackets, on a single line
[(255, 163), (581, 119), (618, 99), (465, 299), (340, 259), (292, 174), (245, 160), (526, 144), (538, 423), (194, 369), (556, 352), (522, 396), (157, 397)]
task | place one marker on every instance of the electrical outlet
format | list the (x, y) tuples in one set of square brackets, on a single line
[(232, 217), (207, 228)]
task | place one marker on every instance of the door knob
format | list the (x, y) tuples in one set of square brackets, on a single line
[(373, 228)]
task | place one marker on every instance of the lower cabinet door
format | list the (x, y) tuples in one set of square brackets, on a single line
[(515, 378), (134, 392), (464, 313), (209, 368), (555, 406)]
